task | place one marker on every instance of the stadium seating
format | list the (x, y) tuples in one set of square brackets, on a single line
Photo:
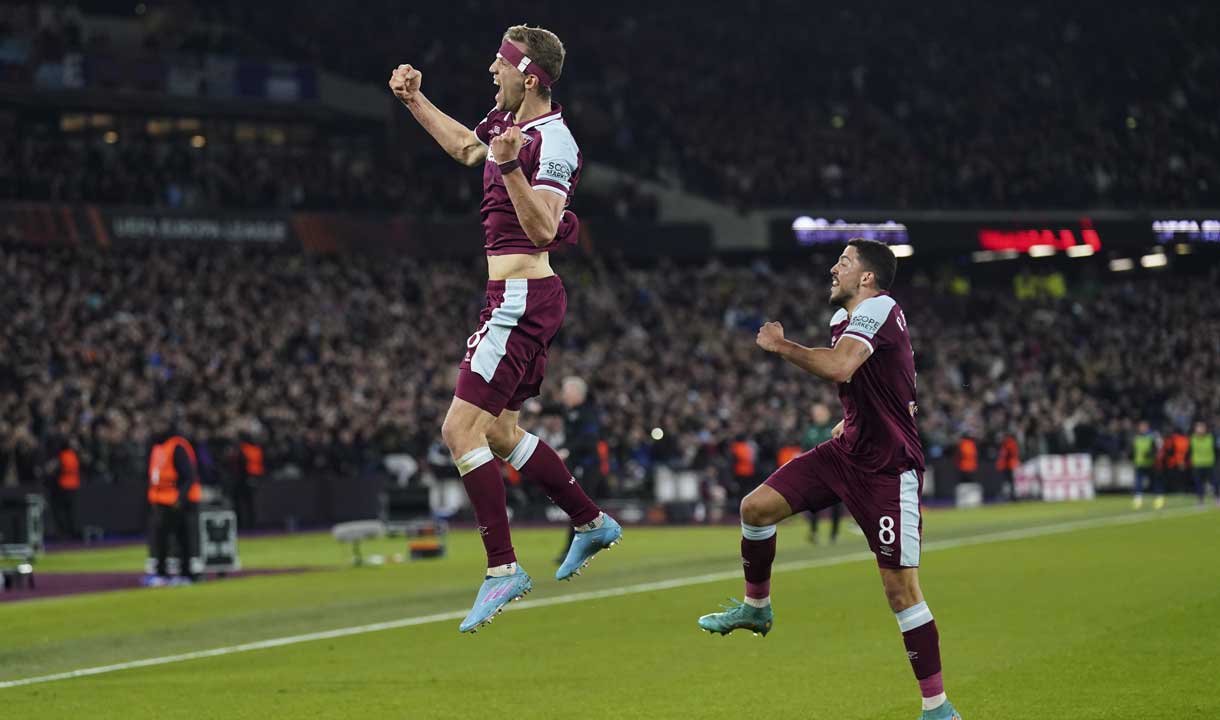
[(342, 360), (755, 105)]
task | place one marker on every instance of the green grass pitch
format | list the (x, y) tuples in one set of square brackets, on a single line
[(1082, 610)]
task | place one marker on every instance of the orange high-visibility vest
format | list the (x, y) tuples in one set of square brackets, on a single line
[(1009, 459), (743, 458), (254, 459), (1176, 450), (786, 453), (163, 478), (603, 456), (69, 469), (1181, 449), (967, 456)]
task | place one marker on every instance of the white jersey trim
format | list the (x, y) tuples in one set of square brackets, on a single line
[(541, 121), (550, 188)]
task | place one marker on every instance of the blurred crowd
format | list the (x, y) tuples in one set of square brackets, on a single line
[(1033, 104), (165, 172), (331, 363)]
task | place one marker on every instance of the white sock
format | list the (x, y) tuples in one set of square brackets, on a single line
[(593, 524), (934, 702), (502, 570), (758, 602)]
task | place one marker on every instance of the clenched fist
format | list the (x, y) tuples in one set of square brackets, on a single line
[(405, 82), (771, 336), (506, 146)]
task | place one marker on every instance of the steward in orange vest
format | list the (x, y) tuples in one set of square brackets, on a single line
[(1007, 462), (1009, 458), (167, 464), (1176, 461), (253, 456), (967, 458), (743, 458), (69, 469), (63, 491), (251, 468), (171, 467)]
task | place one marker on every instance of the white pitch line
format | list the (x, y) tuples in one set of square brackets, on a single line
[(982, 539)]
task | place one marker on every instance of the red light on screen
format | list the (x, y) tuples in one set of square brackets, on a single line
[(1022, 239)]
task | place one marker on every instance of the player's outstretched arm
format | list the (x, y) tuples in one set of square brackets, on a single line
[(835, 364), (538, 211), (456, 139)]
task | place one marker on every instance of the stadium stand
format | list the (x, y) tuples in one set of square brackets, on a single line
[(341, 359), (1042, 108)]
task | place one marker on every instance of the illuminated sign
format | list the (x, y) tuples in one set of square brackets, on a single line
[(1022, 239), (818, 231), (1178, 230)]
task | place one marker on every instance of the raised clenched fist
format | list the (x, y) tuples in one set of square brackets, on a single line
[(506, 146), (771, 336), (405, 82)]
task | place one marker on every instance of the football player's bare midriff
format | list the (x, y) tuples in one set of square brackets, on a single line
[(519, 265)]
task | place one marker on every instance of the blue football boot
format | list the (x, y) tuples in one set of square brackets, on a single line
[(495, 593), (739, 616), (944, 712), (587, 544)]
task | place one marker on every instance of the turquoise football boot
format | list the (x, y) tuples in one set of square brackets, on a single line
[(944, 712), (739, 615), (587, 544), (495, 593)]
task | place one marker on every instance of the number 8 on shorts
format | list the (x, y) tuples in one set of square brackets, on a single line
[(887, 536)]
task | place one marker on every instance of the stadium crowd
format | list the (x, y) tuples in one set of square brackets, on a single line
[(333, 362), (1046, 104)]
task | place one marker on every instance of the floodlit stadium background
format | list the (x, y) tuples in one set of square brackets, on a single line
[(215, 215)]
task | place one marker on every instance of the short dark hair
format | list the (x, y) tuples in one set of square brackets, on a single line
[(878, 258), (543, 47)]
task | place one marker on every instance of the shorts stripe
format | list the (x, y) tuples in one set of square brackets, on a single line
[(909, 503), (494, 345)]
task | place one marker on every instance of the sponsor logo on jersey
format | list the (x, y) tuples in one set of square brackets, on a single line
[(557, 171), (864, 324), (886, 550)]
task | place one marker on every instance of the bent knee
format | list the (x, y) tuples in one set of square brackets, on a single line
[(756, 510), (457, 435)]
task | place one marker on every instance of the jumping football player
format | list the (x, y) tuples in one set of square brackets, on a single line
[(874, 466), (531, 165)]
